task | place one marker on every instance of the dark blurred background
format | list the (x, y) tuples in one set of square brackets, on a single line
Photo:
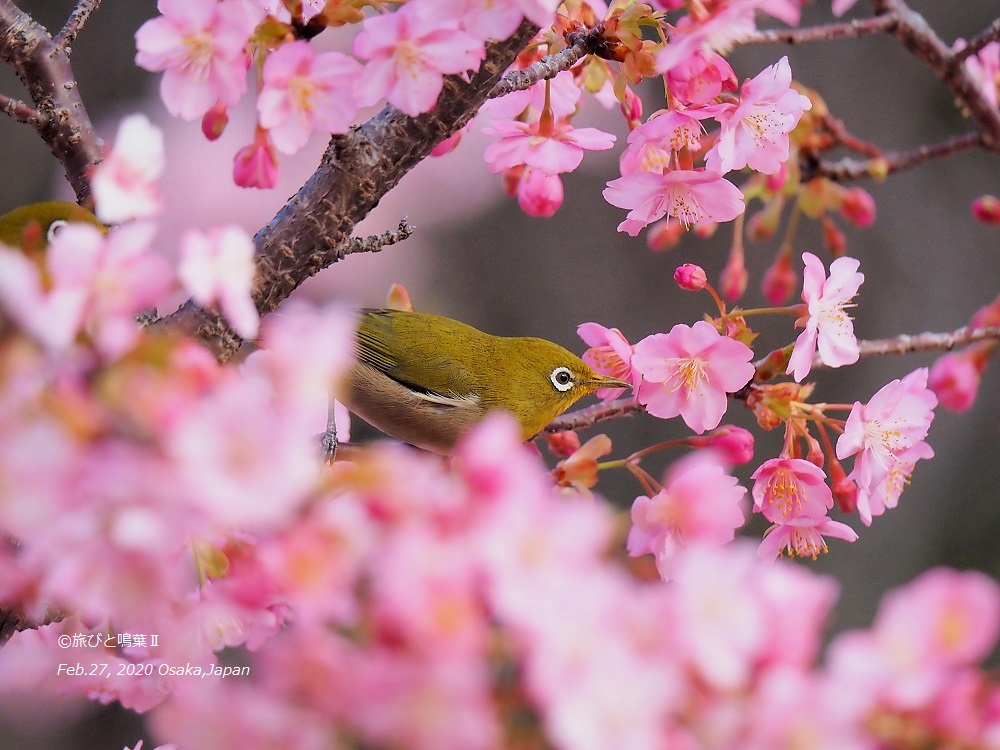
[(928, 265)]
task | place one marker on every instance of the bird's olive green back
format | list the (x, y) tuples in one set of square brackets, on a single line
[(435, 354)]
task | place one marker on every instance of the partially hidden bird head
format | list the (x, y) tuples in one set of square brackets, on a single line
[(32, 227), (546, 380)]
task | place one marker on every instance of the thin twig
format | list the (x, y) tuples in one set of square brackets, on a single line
[(921, 41), (922, 342), (45, 70), (990, 34), (582, 418), (76, 21), (854, 169), (376, 242), (849, 30), (18, 110), (547, 67)]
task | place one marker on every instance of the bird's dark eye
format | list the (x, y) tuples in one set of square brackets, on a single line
[(562, 379), (54, 229)]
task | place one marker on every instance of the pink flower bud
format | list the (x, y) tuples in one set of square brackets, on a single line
[(690, 277), (631, 108), (858, 207), (256, 165), (735, 443), (845, 491), (664, 235), (987, 315), (734, 277), (449, 144), (562, 444), (833, 239), (780, 281), (215, 121), (776, 181), (539, 194), (954, 378), (986, 208), (511, 178)]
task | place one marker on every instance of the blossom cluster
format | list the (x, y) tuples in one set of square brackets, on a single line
[(205, 48), (400, 602), (692, 371)]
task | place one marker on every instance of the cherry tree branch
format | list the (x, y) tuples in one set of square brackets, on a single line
[(582, 44), (923, 342), (849, 30), (990, 34), (854, 169), (919, 39), (18, 110), (903, 344), (314, 227), (44, 68), (75, 23), (376, 242)]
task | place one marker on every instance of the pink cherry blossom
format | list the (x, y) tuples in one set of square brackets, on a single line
[(700, 504), (718, 32), (555, 148), (984, 67), (117, 275), (733, 443), (828, 327), (954, 378), (924, 634), (125, 183), (538, 193), (786, 11), (689, 371), (303, 92), (803, 537), (243, 467), (609, 354), (200, 46), (409, 52), (255, 165), (51, 318), (700, 78), (789, 488), (718, 617), (840, 7), (218, 267), (667, 130), (690, 196), (888, 434), (755, 132), (958, 615)]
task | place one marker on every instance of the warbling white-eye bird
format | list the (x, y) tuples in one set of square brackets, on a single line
[(31, 227), (426, 379)]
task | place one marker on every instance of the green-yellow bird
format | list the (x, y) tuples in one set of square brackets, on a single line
[(426, 379), (31, 227)]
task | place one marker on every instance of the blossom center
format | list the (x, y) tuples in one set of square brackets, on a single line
[(199, 48), (685, 206), (784, 491), (687, 374)]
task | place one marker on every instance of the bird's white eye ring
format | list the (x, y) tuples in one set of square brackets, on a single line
[(562, 379), (54, 228)]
